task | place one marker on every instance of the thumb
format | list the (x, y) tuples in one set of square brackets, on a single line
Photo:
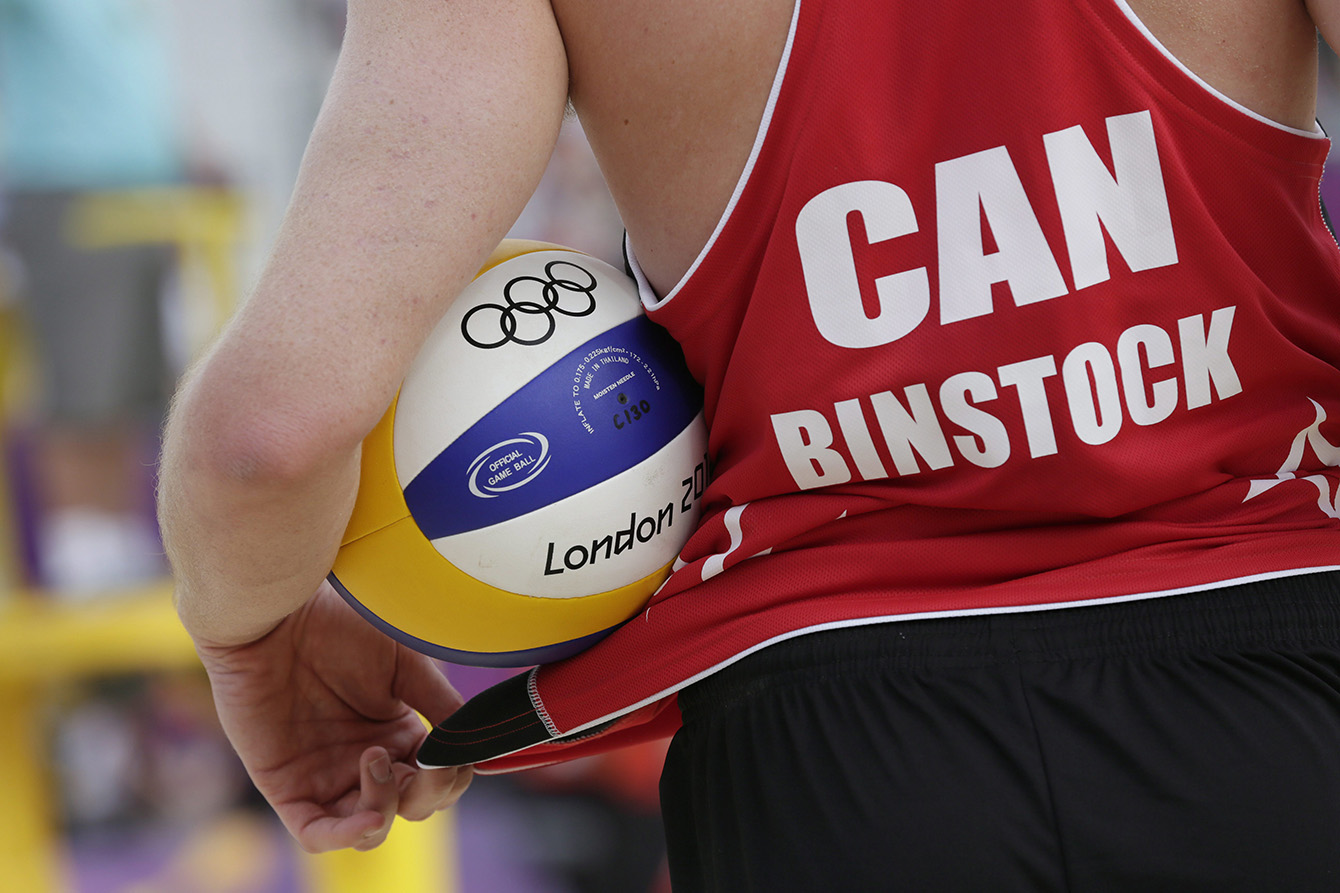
[(422, 685)]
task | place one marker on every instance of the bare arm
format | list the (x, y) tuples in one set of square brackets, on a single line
[(437, 127), (1326, 14)]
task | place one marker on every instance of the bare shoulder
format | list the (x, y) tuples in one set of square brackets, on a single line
[(671, 93), (1260, 53)]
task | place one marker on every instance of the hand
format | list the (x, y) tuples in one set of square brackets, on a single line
[(323, 711)]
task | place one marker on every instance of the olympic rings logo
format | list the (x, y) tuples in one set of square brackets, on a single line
[(529, 297)]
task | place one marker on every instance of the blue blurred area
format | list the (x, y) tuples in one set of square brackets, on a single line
[(73, 68)]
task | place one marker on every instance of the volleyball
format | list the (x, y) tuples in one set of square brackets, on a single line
[(537, 474)]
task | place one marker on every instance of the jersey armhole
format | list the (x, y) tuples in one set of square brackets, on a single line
[(1153, 42), (650, 300)]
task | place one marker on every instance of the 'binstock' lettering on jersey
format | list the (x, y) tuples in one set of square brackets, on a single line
[(1100, 390)]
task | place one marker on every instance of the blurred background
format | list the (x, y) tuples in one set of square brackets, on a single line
[(147, 149)]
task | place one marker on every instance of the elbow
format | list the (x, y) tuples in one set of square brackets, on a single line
[(263, 451), (225, 443)]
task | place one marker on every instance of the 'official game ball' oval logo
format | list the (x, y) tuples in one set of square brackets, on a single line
[(508, 465)]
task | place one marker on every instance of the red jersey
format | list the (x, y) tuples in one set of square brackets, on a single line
[(1009, 311)]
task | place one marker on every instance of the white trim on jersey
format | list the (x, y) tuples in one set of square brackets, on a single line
[(483, 769), (649, 298), (1232, 103), (932, 615)]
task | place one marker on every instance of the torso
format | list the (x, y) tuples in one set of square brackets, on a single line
[(934, 385)]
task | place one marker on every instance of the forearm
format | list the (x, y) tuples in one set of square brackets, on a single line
[(437, 128)]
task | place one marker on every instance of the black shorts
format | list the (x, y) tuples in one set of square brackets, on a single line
[(1187, 743)]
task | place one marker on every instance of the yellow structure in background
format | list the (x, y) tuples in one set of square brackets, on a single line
[(204, 224), (44, 642)]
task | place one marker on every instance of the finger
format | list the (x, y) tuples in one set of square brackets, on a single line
[(322, 832), (379, 796), (433, 790), (464, 775), (342, 825)]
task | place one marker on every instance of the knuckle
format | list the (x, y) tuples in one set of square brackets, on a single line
[(370, 843), (309, 846), (416, 814)]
